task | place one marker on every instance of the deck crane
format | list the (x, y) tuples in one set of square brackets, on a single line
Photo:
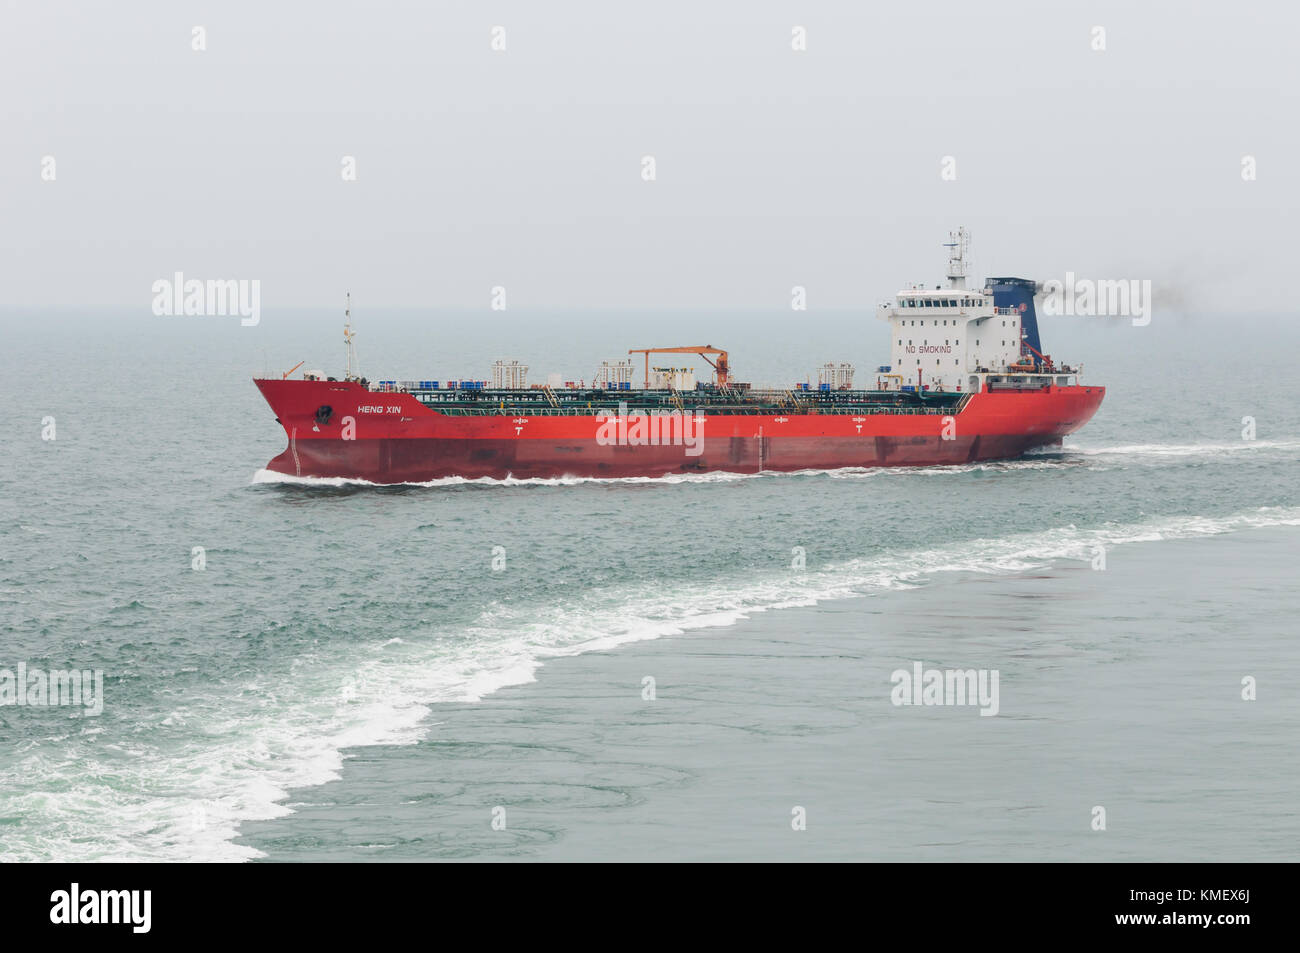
[(722, 369), (1045, 358)]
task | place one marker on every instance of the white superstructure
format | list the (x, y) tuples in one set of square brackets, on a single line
[(953, 338), (509, 374)]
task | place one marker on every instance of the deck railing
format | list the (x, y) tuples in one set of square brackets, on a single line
[(708, 410)]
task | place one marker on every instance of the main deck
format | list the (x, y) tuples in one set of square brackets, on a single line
[(710, 401)]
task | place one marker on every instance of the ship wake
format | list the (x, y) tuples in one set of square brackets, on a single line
[(298, 734)]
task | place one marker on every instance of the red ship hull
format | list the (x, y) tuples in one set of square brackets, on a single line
[(396, 439)]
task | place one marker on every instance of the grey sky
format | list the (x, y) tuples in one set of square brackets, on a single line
[(523, 168)]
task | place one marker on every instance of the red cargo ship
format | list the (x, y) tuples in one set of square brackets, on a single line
[(967, 382)]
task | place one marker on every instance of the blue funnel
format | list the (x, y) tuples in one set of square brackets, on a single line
[(1019, 293)]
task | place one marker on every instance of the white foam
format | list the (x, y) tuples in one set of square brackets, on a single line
[(269, 736), (603, 619), (713, 476), (669, 479), (1184, 449)]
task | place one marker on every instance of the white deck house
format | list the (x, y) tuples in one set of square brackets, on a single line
[(953, 339)]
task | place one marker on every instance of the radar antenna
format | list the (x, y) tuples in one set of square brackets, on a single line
[(957, 245)]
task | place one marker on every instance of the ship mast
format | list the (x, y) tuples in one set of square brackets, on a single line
[(960, 241), (348, 335)]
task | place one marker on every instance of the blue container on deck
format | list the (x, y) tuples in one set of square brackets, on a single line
[(908, 387), (426, 385), (624, 385), (823, 386), (433, 385)]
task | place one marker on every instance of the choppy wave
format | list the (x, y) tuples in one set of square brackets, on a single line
[(602, 620), (267, 736)]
